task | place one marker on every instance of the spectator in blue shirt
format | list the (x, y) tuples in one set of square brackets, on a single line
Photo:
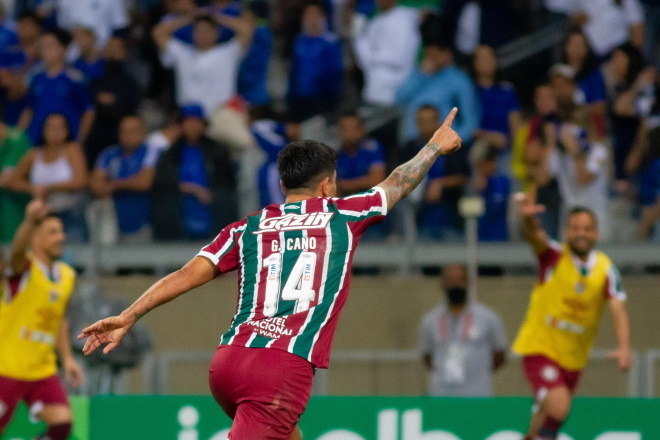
[(90, 62), (57, 89), (578, 54), (316, 67), (494, 188), (361, 160), (253, 71), (649, 186), (500, 109), (360, 164), (14, 62), (12, 88), (272, 136), (8, 36), (125, 172), (194, 190), (438, 82), (29, 27)]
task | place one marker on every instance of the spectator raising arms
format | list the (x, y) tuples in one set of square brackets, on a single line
[(205, 72), (56, 173), (125, 172), (57, 89)]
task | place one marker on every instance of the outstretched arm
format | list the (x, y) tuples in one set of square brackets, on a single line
[(622, 330), (112, 330), (18, 257), (531, 226), (407, 176)]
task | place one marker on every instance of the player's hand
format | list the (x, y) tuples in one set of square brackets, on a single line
[(527, 205), (109, 332), (73, 373), (445, 136), (36, 210), (623, 358)]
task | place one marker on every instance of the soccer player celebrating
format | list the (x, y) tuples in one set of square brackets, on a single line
[(575, 283), (33, 325), (294, 267)]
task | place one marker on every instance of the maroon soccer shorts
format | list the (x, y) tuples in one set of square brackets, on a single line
[(36, 394), (544, 374), (265, 391)]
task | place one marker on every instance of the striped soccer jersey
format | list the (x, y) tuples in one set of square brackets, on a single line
[(294, 269)]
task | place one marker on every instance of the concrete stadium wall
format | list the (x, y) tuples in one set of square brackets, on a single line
[(382, 314)]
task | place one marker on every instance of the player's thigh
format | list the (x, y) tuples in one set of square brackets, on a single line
[(296, 434), (11, 392), (55, 414), (48, 401)]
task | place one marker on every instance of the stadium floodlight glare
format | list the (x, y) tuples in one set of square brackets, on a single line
[(471, 206)]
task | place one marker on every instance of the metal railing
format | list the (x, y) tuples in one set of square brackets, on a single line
[(640, 379)]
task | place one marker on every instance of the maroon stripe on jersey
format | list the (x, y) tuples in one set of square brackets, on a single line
[(14, 281)]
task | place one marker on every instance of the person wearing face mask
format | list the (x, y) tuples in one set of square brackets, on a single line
[(462, 342)]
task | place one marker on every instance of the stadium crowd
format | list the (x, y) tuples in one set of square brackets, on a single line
[(158, 120)]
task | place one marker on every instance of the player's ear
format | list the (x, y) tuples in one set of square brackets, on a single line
[(329, 185), (282, 187)]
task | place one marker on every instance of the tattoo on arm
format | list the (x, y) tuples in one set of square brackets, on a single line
[(407, 176)]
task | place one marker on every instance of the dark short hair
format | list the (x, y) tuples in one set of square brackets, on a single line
[(31, 16), (48, 216), (302, 164), (351, 114), (205, 19), (69, 135), (62, 36), (582, 210), (430, 107)]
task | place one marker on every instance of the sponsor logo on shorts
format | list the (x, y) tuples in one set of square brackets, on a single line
[(295, 222), (549, 373)]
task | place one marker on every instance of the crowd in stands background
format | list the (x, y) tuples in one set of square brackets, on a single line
[(171, 114)]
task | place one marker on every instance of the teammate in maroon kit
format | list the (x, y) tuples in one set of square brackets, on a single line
[(294, 268)]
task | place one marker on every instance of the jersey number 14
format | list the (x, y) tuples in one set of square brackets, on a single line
[(298, 287)]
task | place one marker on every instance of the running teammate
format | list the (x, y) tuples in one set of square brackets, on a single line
[(33, 325), (294, 268), (575, 283)]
